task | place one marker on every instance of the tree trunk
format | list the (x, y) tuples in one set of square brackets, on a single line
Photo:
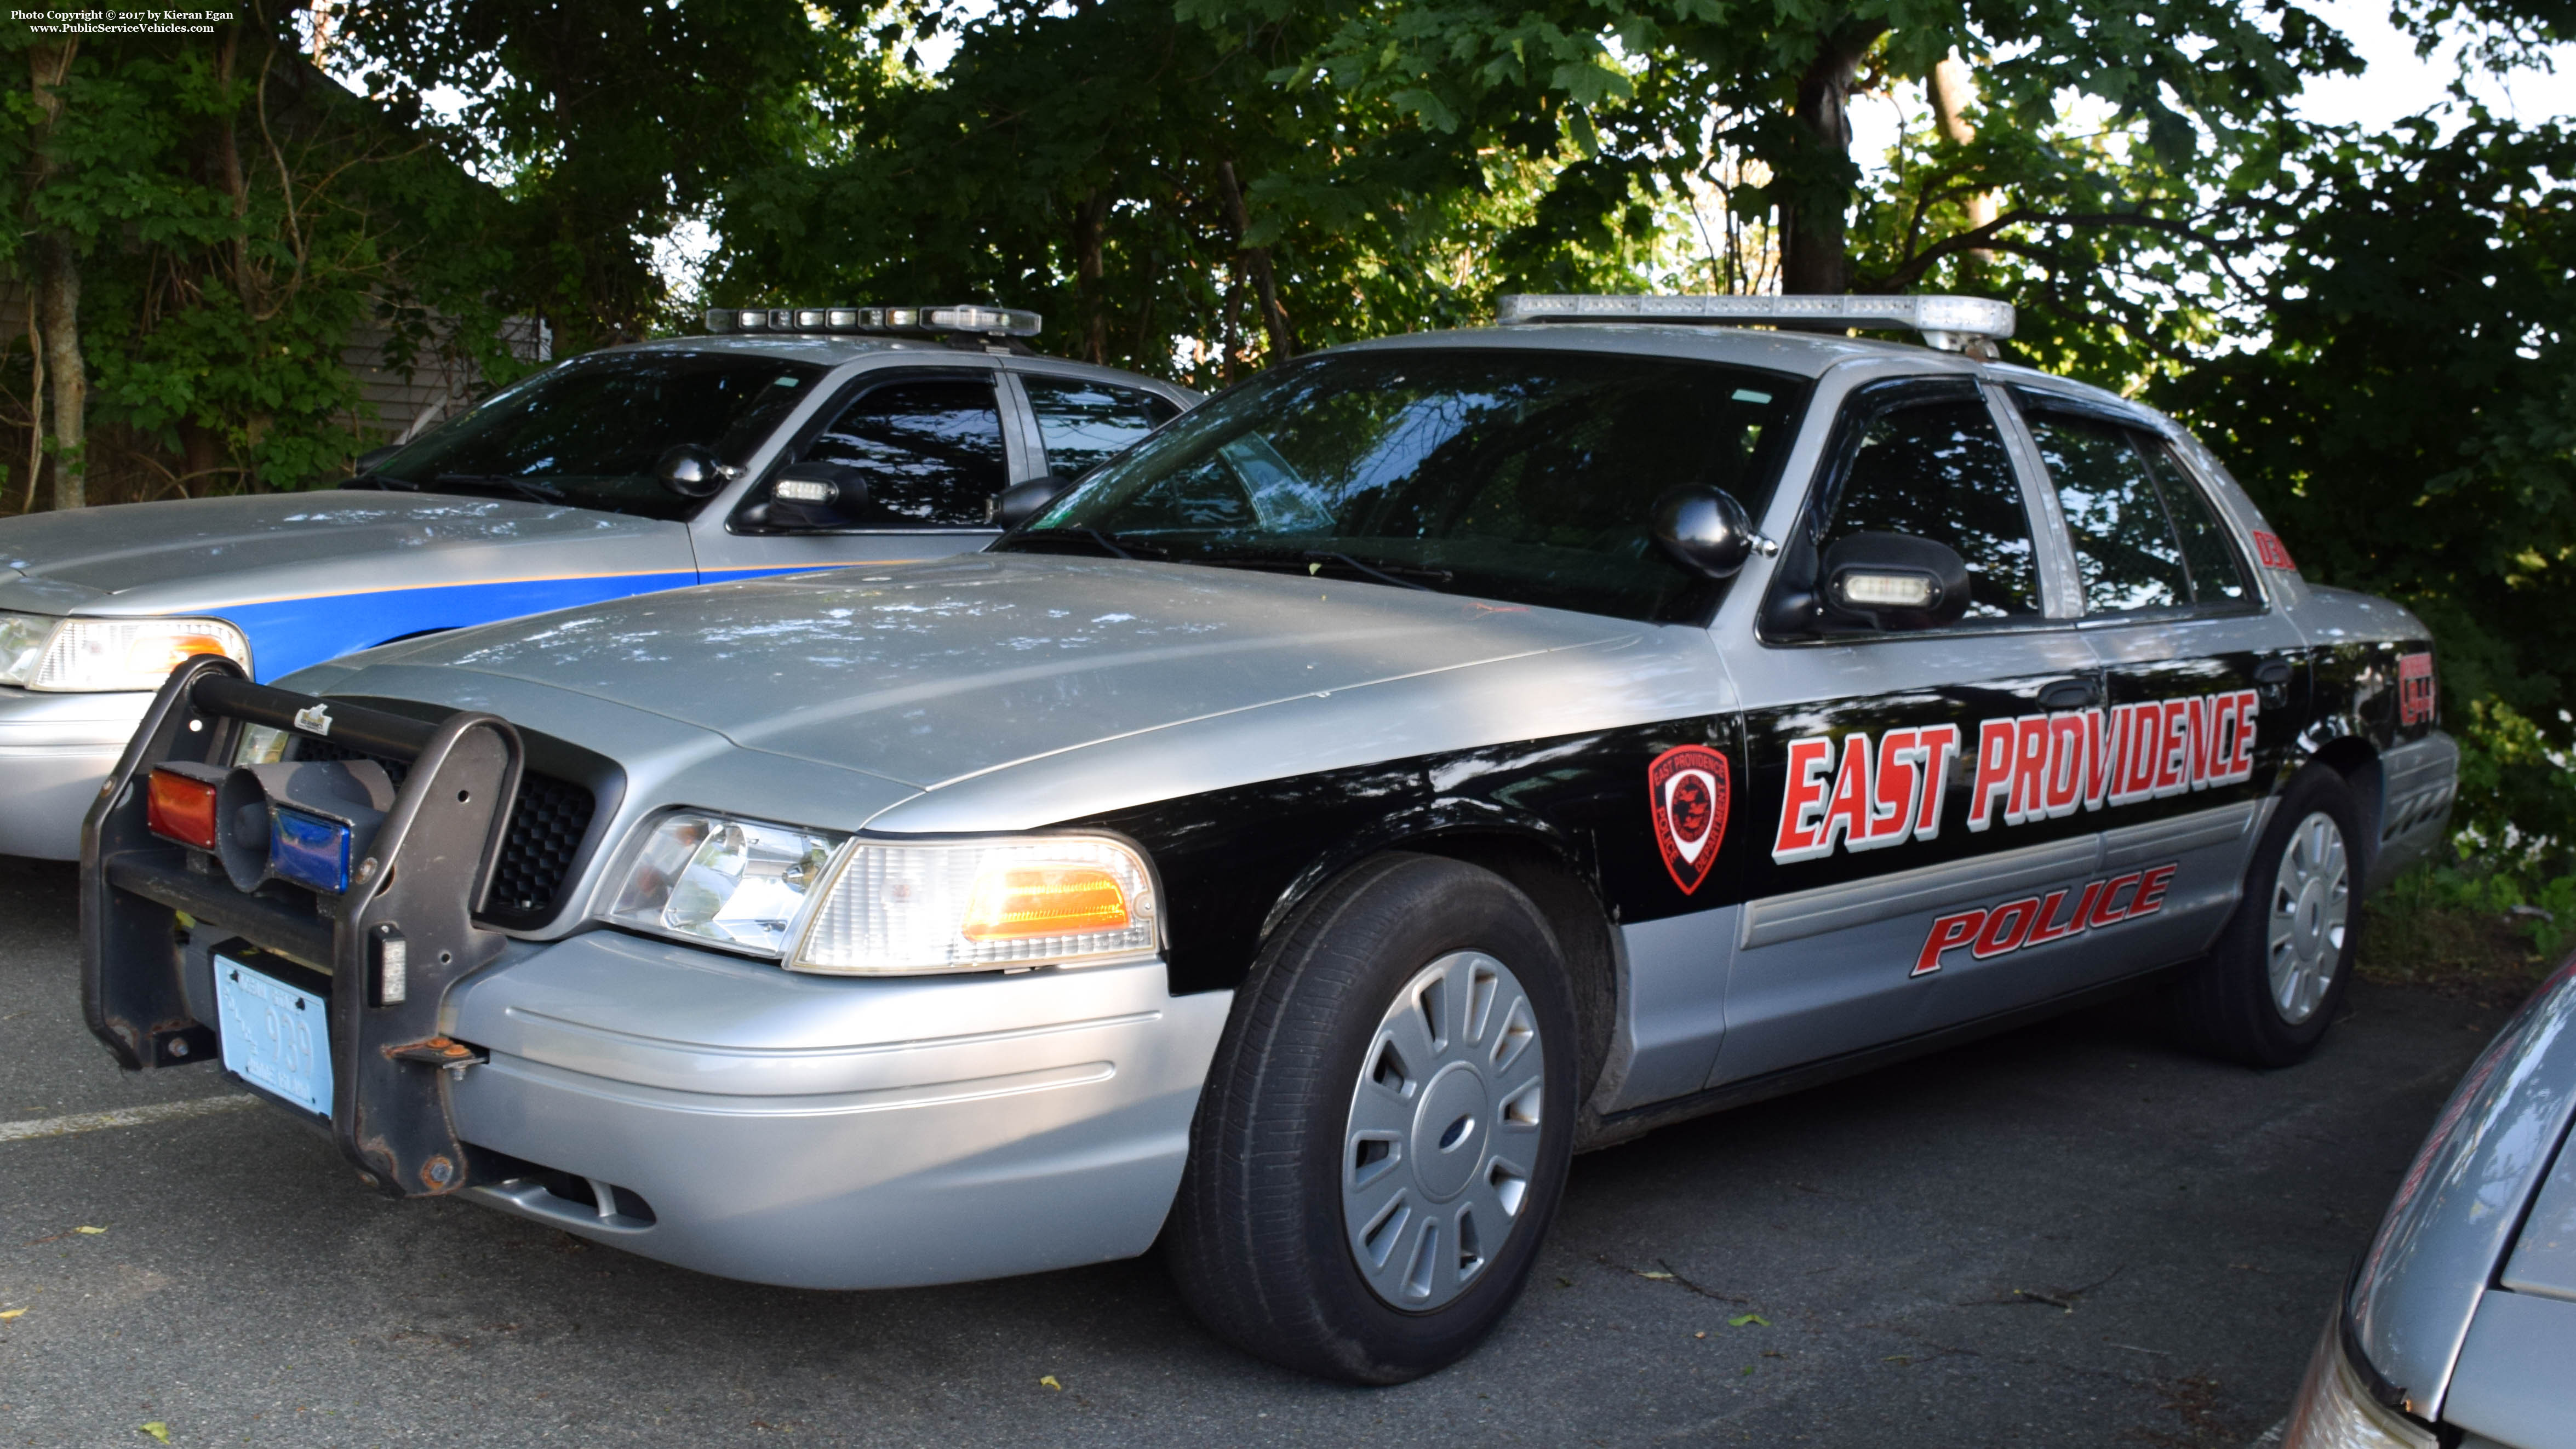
[(54, 277), (1953, 89), (1274, 318), (1087, 272), (1812, 218), (58, 313)]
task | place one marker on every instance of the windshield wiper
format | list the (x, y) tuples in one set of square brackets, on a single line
[(1116, 544), (382, 481), (1385, 573), (527, 488), (1313, 558)]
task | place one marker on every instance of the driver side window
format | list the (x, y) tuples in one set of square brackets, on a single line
[(1937, 470), (928, 449)]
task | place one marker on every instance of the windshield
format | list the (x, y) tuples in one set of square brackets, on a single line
[(588, 432), (1521, 475)]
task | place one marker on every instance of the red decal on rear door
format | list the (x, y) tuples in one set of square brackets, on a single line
[(1688, 791), (2270, 552), (2415, 697)]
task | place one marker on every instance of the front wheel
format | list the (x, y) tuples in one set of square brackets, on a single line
[(1384, 1136), (2269, 990)]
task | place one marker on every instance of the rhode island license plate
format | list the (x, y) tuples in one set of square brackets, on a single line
[(276, 1037)]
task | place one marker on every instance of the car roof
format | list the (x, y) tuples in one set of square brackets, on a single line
[(1803, 354), (831, 350)]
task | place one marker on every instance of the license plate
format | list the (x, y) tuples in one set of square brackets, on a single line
[(276, 1037)]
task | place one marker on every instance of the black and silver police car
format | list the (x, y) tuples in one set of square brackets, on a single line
[(1295, 841)]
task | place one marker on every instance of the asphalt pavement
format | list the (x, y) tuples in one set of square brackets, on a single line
[(2071, 1235)]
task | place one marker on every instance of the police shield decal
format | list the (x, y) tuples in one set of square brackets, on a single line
[(1687, 790)]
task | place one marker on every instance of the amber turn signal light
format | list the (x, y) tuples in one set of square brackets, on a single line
[(1018, 901), (180, 808)]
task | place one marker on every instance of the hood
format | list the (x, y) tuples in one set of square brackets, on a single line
[(925, 673), (196, 554)]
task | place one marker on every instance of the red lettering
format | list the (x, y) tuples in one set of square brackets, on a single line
[(1892, 794), (2151, 892), (2065, 764), (2030, 771), (2105, 914), (2240, 765), (2137, 753), (1802, 835), (1940, 742), (2204, 740), (2099, 742), (2173, 748), (2041, 933), (2223, 730), (1948, 933), (1994, 770), (2005, 926), (1847, 817)]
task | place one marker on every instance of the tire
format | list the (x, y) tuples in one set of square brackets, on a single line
[(2271, 987), (1450, 1184)]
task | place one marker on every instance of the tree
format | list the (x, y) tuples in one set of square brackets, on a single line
[(208, 220), (607, 124)]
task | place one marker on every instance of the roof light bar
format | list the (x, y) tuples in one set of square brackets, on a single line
[(1950, 323), (960, 317)]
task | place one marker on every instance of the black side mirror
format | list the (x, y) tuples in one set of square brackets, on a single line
[(1704, 530), (690, 471), (1895, 581), (369, 460), (1021, 502)]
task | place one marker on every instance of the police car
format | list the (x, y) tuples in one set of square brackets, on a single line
[(1429, 759), (622, 471)]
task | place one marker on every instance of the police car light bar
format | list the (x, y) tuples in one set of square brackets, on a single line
[(1950, 323), (963, 317)]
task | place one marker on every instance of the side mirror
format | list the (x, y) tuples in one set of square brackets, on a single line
[(1704, 530), (368, 461), (830, 486), (690, 471), (1021, 502), (1896, 581)]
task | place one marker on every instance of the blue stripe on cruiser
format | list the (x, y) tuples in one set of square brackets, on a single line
[(288, 634)]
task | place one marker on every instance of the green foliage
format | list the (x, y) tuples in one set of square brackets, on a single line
[(237, 217), (2409, 423), (609, 124)]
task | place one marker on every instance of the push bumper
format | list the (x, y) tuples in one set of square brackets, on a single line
[(714, 1112), (55, 751), (822, 1132)]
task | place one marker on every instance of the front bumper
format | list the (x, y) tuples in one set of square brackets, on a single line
[(823, 1132), (55, 751), (714, 1112)]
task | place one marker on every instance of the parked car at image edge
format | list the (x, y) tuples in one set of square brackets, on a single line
[(623, 471), (1428, 759), (2459, 1324)]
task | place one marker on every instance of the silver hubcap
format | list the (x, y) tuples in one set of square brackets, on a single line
[(2311, 907), (1443, 1132)]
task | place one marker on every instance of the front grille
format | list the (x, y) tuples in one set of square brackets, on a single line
[(546, 829), (537, 850)]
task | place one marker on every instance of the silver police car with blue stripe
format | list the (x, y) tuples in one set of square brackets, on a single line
[(1431, 758), (624, 471)]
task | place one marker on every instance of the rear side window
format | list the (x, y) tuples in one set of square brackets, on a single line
[(2215, 576), (930, 449), (2115, 514), (1938, 470), (2144, 535), (1085, 424)]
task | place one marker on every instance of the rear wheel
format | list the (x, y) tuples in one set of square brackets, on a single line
[(1384, 1135), (2269, 991)]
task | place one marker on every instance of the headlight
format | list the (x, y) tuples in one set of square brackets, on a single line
[(2335, 1410), (980, 905), (22, 646), (743, 884), (79, 656)]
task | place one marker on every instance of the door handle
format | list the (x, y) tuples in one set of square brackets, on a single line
[(2272, 673), (2070, 694)]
